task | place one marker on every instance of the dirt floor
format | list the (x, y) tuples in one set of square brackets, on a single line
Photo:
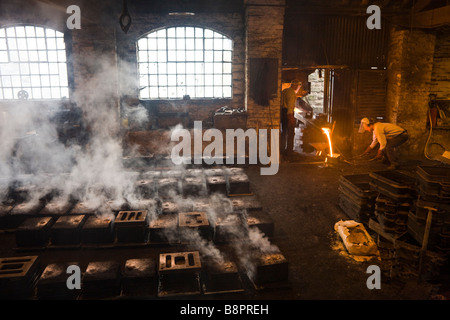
[(303, 201)]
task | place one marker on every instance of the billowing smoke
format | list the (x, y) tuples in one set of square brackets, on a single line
[(32, 156)]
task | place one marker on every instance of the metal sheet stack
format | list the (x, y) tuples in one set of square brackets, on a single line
[(433, 185), (396, 196), (356, 198)]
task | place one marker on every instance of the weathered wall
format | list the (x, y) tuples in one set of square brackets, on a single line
[(264, 39), (410, 64)]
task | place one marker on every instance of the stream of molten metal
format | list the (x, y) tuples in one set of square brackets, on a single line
[(327, 133)]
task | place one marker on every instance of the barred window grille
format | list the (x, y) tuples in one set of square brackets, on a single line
[(32, 63), (176, 62)]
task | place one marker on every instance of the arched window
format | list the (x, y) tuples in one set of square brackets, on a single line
[(32, 63), (176, 62)]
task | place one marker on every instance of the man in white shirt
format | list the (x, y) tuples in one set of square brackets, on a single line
[(388, 135)]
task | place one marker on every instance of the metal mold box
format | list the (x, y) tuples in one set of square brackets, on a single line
[(179, 274), (97, 230), (164, 228), (67, 230), (34, 232), (197, 221), (101, 280), (238, 184), (52, 284), (18, 276), (216, 184), (132, 226), (139, 277)]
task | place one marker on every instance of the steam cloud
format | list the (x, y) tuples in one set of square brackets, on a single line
[(33, 157)]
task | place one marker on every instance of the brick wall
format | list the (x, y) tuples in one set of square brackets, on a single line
[(410, 64), (264, 34), (440, 77)]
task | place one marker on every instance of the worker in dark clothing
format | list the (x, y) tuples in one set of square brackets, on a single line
[(288, 100), (389, 136)]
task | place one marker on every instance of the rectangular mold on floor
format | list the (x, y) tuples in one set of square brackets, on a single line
[(97, 230), (164, 228), (52, 284), (195, 221), (238, 184), (67, 230), (221, 277), (179, 274), (34, 232), (101, 280), (139, 277), (18, 276), (132, 226)]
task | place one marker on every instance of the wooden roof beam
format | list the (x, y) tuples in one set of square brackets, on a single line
[(433, 18)]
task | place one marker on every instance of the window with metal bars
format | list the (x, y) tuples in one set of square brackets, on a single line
[(177, 62), (32, 63)]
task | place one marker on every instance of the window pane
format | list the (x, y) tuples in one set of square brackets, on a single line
[(45, 80), (217, 55), (14, 56), (199, 44), (142, 44), (142, 56), (227, 56), (162, 44), (162, 80), (218, 44), (209, 56), (190, 55), (4, 56), (51, 43), (227, 68), (190, 44), (172, 80), (181, 56), (180, 32), (152, 56), (190, 32), (209, 33), (31, 43), (209, 44), (50, 33), (41, 44), (20, 32), (154, 92), (171, 33), (152, 44)]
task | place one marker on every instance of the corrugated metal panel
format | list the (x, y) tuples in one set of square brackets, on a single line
[(371, 94), (311, 40)]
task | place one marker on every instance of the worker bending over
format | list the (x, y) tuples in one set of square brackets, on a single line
[(389, 136)]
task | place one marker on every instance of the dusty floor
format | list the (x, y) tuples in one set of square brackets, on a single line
[(302, 199)]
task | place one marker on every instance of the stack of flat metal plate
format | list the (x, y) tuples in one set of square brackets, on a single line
[(356, 198)]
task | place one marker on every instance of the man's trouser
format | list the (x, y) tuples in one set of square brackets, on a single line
[(287, 132), (392, 144)]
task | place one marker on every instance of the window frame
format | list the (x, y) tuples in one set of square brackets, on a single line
[(169, 50), (61, 63)]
